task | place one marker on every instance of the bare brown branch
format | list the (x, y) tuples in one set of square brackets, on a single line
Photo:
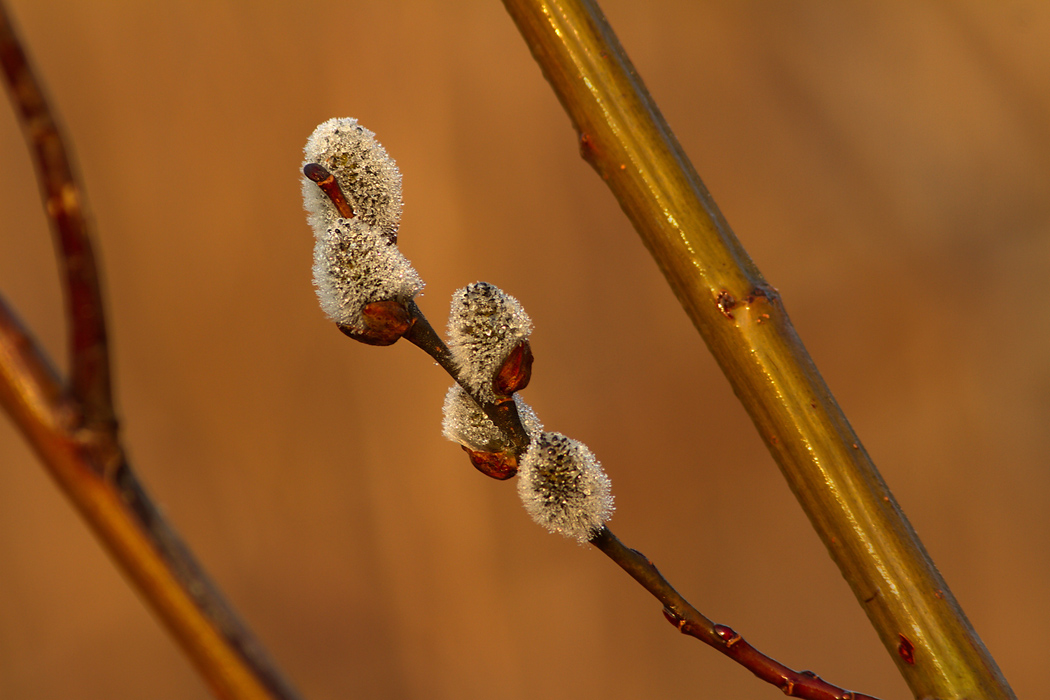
[(74, 432), (64, 204), (678, 611)]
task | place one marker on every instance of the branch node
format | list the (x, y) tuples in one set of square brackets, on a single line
[(727, 635), (725, 302), (906, 650)]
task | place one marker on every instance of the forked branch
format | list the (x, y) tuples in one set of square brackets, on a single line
[(89, 380), (73, 430)]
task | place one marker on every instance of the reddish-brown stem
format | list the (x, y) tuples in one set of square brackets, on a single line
[(73, 430), (102, 486), (504, 414), (678, 611), (801, 684), (64, 203), (330, 186)]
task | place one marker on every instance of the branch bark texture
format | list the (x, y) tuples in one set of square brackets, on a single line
[(64, 204), (742, 319), (73, 428)]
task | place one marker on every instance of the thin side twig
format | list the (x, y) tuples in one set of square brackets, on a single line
[(74, 432), (742, 319), (680, 613), (677, 609)]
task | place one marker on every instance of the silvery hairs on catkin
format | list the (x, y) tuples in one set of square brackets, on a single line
[(485, 324), (465, 423), (355, 262), (369, 177), (563, 487)]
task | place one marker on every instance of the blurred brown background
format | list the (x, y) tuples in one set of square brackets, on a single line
[(886, 164)]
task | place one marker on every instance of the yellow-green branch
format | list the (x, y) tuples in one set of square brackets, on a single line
[(743, 321)]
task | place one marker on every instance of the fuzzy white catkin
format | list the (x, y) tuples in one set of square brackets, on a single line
[(368, 177), (465, 423), (355, 265), (484, 326), (563, 487)]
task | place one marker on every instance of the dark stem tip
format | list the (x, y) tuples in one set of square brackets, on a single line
[(315, 172)]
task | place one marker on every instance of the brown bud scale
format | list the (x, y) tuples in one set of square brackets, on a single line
[(498, 465), (385, 321), (515, 372)]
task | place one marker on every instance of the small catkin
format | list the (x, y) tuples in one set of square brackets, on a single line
[(368, 176), (563, 487), (484, 326), (355, 265), (465, 423)]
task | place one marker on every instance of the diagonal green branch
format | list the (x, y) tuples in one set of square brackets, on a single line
[(742, 319)]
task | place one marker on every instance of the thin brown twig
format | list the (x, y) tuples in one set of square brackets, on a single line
[(685, 617), (74, 432), (64, 204), (678, 611)]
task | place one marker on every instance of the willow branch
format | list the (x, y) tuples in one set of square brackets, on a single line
[(64, 204), (104, 489), (387, 321), (73, 431), (677, 609), (742, 319)]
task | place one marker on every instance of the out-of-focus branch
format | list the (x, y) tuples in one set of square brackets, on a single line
[(74, 432), (124, 519), (742, 319), (64, 203)]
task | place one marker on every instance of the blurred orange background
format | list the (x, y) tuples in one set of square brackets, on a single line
[(886, 164)]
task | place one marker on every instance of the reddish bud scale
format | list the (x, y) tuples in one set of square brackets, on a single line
[(675, 619), (385, 321), (727, 634), (515, 372), (498, 465), (906, 650)]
